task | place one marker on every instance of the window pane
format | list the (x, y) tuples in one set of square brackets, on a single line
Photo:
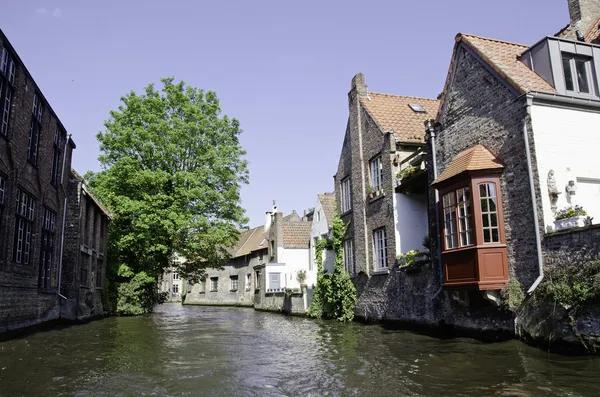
[(486, 220), (568, 74), (492, 205), (582, 78), (495, 238), (486, 235), (484, 205), (482, 191), (494, 219)]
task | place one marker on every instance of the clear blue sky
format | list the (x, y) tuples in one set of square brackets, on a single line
[(282, 68)]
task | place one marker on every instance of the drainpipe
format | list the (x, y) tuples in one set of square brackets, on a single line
[(64, 222), (536, 223), (430, 129)]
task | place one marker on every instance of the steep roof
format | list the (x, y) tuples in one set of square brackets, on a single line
[(475, 158), (328, 204), (393, 113), (502, 56), (296, 234), (250, 240)]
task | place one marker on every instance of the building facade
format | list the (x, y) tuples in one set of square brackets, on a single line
[(35, 162), (322, 220)]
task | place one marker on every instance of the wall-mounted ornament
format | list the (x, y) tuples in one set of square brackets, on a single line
[(571, 190), (553, 191)]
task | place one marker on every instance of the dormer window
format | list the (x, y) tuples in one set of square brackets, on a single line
[(578, 73)]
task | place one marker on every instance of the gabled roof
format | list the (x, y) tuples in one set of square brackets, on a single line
[(328, 204), (475, 158), (392, 113), (250, 240), (502, 56), (296, 234)]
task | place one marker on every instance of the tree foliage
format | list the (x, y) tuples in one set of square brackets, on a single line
[(172, 170), (335, 294)]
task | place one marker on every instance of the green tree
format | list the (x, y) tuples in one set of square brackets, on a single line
[(172, 171)]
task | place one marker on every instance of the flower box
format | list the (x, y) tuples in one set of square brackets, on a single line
[(569, 223)]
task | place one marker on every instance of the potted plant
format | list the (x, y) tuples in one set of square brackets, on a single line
[(301, 277), (405, 173), (412, 260), (570, 217), (371, 192)]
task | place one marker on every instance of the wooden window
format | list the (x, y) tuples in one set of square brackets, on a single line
[(214, 284), (349, 256), (257, 279), (233, 283), (248, 281), (34, 130), (458, 218), (175, 289), (274, 280), (380, 248), (489, 213), (25, 215), (376, 173), (48, 240), (56, 157), (7, 81), (175, 276), (346, 195)]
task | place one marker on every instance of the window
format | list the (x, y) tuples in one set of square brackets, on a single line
[(25, 214), (48, 231), (56, 157), (457, 206), (349, 256), (376, 173), (489, 212), (248, 281), (578, 73), (346, 198), (214, 284), (318, 216), (175, 289), (202, 286), (233, 283), (175, 276), (274, 280), (34, 130), (84, 263), (7, 81), (380, 247), (257, 279), (99, 271)]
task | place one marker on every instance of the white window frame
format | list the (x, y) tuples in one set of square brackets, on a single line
[(175, 289), (349, 256), (271, 278), (233, 283), (214, 284), (175, 276), (380, 249), (376, 171), (346, 195), (248, 281)]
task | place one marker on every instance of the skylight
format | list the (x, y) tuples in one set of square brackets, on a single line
[(417, 108)]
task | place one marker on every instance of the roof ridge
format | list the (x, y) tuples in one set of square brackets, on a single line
[(491, 39), (402, 96)]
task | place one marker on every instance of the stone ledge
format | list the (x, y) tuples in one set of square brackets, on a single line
[(573, 230)]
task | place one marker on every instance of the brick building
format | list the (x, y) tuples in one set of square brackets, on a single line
[(37, 199), (386, 216), (84, 269), (35, 162)]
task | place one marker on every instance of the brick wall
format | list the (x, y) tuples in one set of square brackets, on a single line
[(575, 246)]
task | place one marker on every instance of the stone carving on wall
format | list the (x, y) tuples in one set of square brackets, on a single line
[(553, 191), (571, 190)]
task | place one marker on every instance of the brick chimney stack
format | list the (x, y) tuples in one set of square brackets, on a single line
[(358, 85), (583, 14)]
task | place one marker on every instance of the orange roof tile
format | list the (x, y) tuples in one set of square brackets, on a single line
[(502, 57), (296, 234), (593, 33), (328, 203), (250, 240), (392, 113), (475, 158)]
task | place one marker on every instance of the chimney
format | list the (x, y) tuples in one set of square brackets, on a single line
[(268, 216), (583, 13), (358, 85)]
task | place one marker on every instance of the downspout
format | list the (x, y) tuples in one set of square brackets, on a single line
[(64, 222), (536, 223), (362, 179), (430, 128)]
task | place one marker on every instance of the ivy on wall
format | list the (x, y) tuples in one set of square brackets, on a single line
[(335, 294)]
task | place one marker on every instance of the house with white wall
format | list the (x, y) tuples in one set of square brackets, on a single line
[(171, 283), (322, 219)]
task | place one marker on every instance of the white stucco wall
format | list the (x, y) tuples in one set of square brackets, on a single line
[(290, 262), (568, 142), (410, 218), (319, 227)]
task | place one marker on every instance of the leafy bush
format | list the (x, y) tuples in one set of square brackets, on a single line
[(513, 294), (408, 259), (570, 212), (572, 286), (138, 294), (406, 172)]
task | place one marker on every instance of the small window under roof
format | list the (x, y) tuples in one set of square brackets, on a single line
[(417, 108)]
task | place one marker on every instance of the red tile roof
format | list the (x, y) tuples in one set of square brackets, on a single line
[(475, 158), (392, 113), (328, 203), (296, 234)]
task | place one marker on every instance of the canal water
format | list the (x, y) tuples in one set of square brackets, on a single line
[(207, 351)]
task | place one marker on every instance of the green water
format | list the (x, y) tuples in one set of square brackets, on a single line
[(202, 351)]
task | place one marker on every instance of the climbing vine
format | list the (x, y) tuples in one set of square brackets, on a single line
[(335, 294)]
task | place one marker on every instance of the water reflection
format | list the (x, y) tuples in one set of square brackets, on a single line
[(189, 351)]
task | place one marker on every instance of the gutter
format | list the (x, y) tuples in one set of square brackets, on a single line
[(430, 128), (561, 100), (538, 240), (64, 220)]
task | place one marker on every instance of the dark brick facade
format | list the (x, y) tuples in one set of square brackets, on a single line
[(29, 296)]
